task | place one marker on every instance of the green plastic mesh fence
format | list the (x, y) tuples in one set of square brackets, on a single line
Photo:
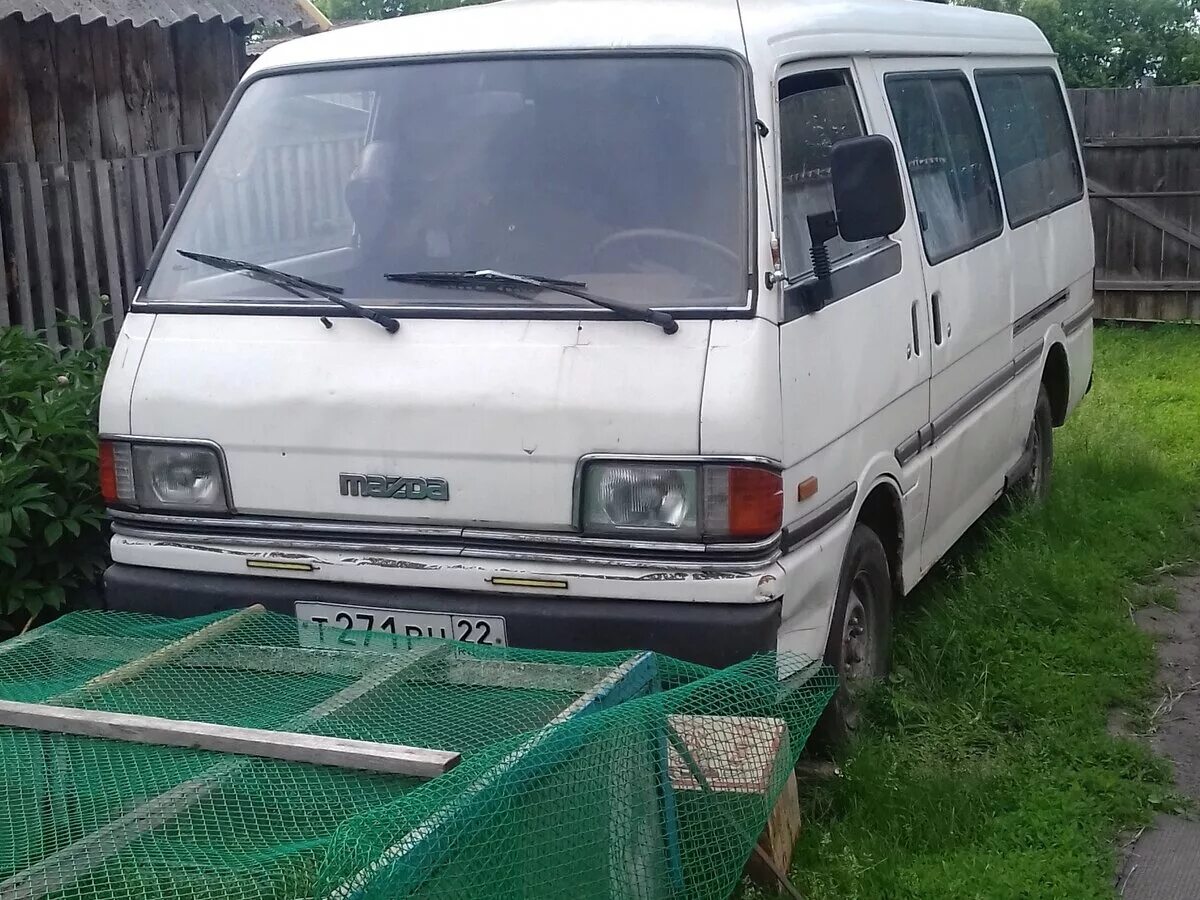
[(615, 775)]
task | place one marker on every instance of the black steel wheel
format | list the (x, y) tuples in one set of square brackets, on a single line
[(1034, 485), (859, 644)]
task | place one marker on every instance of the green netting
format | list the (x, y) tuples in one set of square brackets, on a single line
[(615, 775)]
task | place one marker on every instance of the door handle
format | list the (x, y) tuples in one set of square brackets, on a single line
[(935, 302), (916, 344)]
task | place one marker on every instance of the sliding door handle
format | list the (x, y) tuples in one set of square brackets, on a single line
[(935, 304), (916, 344)]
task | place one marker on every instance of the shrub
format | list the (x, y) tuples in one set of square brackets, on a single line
[(51, 514)]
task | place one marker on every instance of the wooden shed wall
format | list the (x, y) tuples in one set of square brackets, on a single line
[(83, 92)]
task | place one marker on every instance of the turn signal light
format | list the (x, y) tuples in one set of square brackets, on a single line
[(742, 502)]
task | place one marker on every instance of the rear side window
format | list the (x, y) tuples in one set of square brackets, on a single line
[(1031, 134), (947, 159)]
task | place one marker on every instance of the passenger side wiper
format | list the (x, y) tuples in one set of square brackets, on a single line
[(491, 279), (293, 284)]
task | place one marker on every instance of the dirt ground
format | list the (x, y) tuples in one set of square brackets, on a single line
[(1162, 862)]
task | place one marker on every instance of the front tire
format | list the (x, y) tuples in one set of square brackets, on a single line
[(860, 635)]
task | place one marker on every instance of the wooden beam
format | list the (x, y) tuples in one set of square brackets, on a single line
[(315, 749), (1175, 140), (16, 126), (174, 649), (1137, 287), (1145, 213)]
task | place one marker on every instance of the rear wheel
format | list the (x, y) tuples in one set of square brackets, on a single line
[(1034, 485), (859, 645)]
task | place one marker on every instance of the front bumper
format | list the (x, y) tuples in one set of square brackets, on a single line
[(715, 634)]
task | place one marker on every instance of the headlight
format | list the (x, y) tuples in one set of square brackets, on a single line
[(185, 477), (686, 501)]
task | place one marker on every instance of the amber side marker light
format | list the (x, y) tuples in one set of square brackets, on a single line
[(807, 488)]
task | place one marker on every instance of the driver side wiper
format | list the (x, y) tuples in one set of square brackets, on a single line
[(489, 278), (293, 284)]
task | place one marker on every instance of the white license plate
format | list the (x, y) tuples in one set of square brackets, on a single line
[(331, 625)]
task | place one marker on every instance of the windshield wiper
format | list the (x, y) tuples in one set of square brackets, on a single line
[(293, 284), (489, 278)]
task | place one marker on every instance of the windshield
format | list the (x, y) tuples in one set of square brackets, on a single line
[(627, 174)]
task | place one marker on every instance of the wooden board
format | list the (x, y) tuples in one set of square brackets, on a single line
[(736, 754), (314, 749)]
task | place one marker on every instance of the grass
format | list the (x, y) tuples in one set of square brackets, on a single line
[(987, 769)]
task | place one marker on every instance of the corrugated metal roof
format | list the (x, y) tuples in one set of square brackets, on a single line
[(296, 14)]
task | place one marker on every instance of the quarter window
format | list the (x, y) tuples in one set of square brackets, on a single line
[(1032, 139), (947, 159), (816, 110)]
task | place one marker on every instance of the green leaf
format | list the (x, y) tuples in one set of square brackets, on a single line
[(7, 556), (53, 532), (20, 520), (72, 526), (54, 596)]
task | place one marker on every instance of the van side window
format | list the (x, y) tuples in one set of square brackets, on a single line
[(1033, 142), (953, 184), (816, 110)]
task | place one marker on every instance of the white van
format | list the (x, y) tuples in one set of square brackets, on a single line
[(586, 324)]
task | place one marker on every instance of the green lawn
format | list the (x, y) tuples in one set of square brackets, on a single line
[(987, 770)]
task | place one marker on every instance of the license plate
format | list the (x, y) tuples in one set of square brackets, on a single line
[(331, 625)]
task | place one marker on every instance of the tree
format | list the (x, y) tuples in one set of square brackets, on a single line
[(1115, 43), (358, 10)]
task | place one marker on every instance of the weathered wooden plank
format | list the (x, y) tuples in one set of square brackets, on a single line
[(189, 63), (175, 649), (1149, 195), (5, 317), (165, 82), (63, 236), (16, 126), (108, 246), (314, 749), (77, 91), (1138, 141), (87, 242), (168, 182), (42, 263), (112, 114), (14, 223), (140, 204), (136, 86), (154, 196), (41, 82), (1131, 286), (127, 236), (212, 39)]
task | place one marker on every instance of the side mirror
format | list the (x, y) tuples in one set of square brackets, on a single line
[(867, 196)]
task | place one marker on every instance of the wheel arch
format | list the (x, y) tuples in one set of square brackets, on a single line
[(1056, 378), (881, 511)]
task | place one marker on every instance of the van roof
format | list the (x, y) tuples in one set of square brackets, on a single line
[(774, 30)]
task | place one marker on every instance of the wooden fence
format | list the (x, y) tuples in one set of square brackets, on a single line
[(76, 236), (1142, 156)]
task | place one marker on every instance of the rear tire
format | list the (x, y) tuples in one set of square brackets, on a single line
[(860, 636), (1034, 485)]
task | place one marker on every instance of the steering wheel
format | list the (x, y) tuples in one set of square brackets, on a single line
[(665, 234)]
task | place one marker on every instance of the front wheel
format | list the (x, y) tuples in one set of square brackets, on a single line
[(859, 645), (1034, 485)]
